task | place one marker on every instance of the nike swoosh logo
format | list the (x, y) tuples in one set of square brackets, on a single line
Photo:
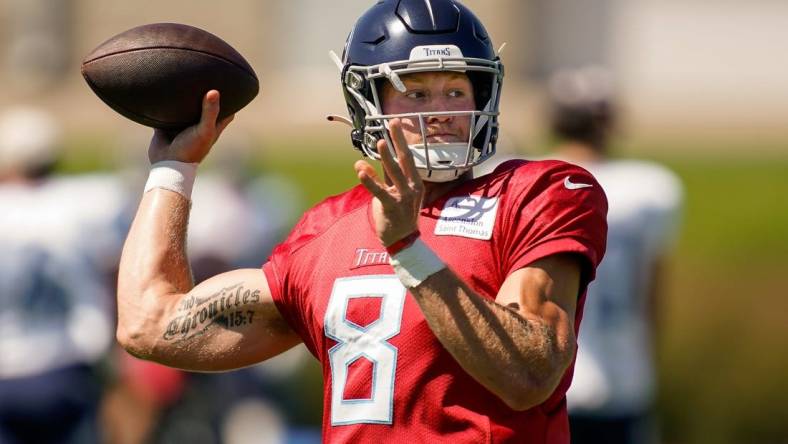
[(575, 186)]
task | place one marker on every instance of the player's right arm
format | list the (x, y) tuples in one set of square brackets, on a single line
[(226, 322)]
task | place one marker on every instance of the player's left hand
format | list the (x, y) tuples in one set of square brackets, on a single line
[(397, 201)]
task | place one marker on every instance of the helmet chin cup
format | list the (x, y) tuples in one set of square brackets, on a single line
[(441, 162), (438, 162), (435, 156), (440, 176)]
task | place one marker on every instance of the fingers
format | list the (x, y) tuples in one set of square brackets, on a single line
[(404, 156), (208, 125), (394, 168), (210, 111), (193, 143), (402, 172), (369, 178), (223, 124), (390, 166)]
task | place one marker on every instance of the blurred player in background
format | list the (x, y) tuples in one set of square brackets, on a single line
[(440, 306), (611, 398), (60, 240)]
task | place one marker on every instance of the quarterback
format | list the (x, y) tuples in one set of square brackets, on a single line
[(442, 307)]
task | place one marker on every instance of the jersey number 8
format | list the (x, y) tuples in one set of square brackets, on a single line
[(370, 342)]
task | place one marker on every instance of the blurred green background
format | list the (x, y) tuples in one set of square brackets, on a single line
[(723, 340)]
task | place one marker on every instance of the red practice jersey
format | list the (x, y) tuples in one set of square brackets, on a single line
[(387, 378)]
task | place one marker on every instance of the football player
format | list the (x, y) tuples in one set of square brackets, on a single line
[(442, 307), (58, 254), (612, 396)]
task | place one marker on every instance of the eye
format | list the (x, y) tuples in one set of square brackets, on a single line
[(457, 93), (415, 94)]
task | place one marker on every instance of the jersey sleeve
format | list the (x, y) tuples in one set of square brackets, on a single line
[(562, 209), (277, 275), (288, 290)]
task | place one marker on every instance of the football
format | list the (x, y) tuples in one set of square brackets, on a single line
[(157, 74)]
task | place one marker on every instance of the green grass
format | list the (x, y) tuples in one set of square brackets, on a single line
[(322, 174), (735, 210), (723, 355)]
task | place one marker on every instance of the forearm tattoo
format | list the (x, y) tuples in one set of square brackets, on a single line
[(228, 308)]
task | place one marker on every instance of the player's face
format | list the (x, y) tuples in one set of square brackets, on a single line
[(432, 91)]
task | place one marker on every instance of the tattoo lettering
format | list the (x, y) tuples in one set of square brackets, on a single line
[(513, 306), (225, 308)]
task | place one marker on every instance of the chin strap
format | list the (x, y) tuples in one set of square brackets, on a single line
[(339, 119)]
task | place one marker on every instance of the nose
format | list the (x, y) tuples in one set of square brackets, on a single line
[(438, 119), (441, 102), (433, 119)]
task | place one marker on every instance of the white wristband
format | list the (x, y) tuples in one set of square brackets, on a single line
[(415, 264), (172, 175)]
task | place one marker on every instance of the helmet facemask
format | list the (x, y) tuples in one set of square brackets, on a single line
[(435, 161)]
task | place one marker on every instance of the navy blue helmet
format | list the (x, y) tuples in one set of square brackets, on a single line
[(400, 37)]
